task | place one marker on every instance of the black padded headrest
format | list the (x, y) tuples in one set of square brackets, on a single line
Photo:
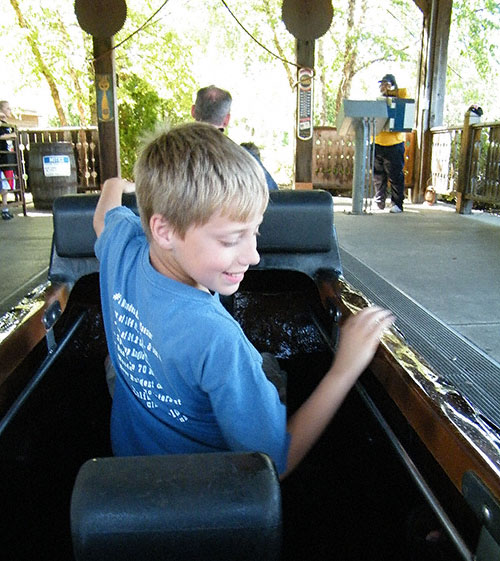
[(178, 507), (295, 223), (73, 216)]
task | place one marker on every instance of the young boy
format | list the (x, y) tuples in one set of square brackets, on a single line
[(188, 380)]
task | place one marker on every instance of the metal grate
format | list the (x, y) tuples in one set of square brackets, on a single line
[(459, 362)]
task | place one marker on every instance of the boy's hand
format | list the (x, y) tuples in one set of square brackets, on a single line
[(359, 339)]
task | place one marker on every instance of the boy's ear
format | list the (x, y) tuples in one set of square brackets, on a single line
[(227, 118), (161, 231)]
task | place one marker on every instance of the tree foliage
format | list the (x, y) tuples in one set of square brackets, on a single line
[(243, 46), (473, 59)]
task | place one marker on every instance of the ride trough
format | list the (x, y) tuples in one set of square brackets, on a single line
[(405, 471)]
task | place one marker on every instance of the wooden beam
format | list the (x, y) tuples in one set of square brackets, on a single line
[(432, 85), (107, 108), (423, 5)]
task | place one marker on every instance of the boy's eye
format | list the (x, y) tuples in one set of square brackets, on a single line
[(228, 243)]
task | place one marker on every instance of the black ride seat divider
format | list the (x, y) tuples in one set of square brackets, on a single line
[(183, 507)]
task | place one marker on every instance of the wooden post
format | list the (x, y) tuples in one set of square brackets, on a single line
[(303, 152), (432, 86), (464, 205), (107, 108)]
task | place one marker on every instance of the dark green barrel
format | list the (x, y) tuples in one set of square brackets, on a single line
[(51, 172)]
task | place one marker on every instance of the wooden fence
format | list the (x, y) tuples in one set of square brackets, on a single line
[(469, 171), (85, 143), (333, 158)]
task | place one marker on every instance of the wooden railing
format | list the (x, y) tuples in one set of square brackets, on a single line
[(85, 143), (466, 163), (468, 171), (333, 157), (445, 159)]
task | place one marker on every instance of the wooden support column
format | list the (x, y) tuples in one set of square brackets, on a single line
[(432, 85), (107, 108), (303, 152), (464, 205)]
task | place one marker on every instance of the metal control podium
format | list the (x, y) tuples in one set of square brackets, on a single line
[(368, 118)]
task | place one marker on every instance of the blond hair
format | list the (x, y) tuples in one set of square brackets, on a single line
[(190, 172)]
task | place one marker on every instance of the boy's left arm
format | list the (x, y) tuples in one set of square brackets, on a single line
[(111, 197)]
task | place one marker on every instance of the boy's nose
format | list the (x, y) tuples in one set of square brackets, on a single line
[(250, 255)]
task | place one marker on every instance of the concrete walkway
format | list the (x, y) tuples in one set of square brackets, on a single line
[(25, 254), (447, 263)]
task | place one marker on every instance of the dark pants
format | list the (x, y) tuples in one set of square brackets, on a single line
[(388, 166), (274, 374)]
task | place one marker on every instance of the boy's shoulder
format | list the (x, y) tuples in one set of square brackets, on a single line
[(124, 218), (120, 226), (206, 318)]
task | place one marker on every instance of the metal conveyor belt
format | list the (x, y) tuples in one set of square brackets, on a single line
[(458, 361)]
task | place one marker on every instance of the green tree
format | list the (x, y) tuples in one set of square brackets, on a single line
[(153, 68), (189, 45), (140, 111), (473, 59), (358, 41), (49, 59)]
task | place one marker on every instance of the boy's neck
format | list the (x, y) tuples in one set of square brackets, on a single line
[(162, 263)]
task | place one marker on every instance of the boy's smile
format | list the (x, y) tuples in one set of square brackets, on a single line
[(214, 256)]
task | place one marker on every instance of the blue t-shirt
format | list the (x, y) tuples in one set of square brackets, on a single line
[(188, 379)]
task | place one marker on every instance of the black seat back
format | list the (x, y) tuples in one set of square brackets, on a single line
[(297, 234), (215, 507)]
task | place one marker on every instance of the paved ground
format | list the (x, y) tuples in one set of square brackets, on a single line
[(25, 254), (448, 263)]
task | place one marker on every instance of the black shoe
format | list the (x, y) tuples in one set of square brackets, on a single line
[(7, 215)]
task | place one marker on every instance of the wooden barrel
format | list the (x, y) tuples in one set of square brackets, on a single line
[(51, 172)]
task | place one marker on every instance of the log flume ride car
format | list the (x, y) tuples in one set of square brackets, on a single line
[(406, 470)]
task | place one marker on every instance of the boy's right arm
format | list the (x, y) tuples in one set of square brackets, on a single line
[(111, 197), (359, 340)]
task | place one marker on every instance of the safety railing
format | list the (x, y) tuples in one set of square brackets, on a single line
[(333, 159), (85, 143), (466, 163), (465, 160)]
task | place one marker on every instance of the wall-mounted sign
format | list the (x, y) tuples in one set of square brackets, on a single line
[(104, 90)]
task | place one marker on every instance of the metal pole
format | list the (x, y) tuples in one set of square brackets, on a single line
[(358, 183)]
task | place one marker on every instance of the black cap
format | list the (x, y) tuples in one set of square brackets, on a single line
[(389, 78)]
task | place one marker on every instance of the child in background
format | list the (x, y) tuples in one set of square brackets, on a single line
[(7, 157)]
